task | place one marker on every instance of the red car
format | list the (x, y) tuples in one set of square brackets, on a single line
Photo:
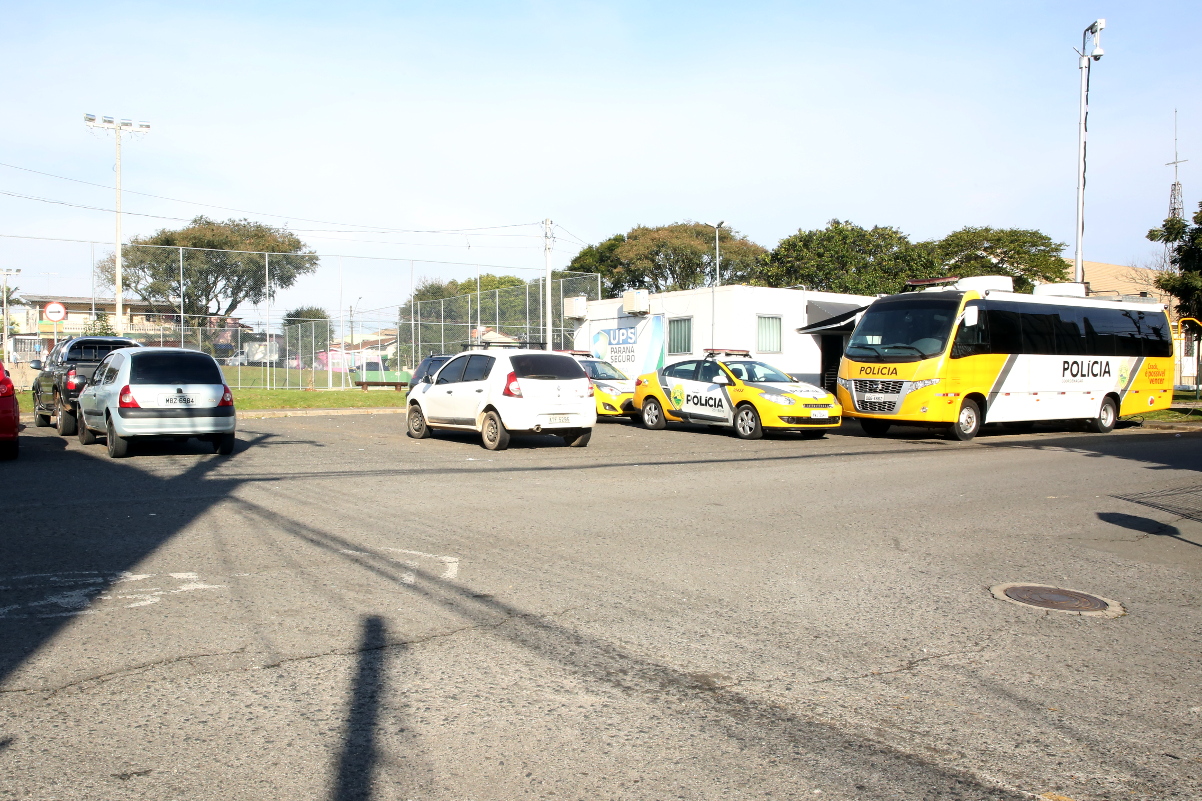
[(10, 417)]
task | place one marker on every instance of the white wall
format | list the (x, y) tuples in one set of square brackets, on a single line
[(727, 317)]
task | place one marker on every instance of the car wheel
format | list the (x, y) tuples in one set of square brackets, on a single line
[(417, 423), (747, 423), (968, 422), (64, 419), (118, 446), (223, 444), (1108, 415), (85, 434), (653, 415), (578, 439), (495, 437), (41, 420), (873, 427), (10, 449)]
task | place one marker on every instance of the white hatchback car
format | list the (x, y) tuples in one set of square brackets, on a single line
[(497, 392), (169, 393)]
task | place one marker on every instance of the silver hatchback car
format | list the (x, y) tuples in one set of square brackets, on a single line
[(157, 392)]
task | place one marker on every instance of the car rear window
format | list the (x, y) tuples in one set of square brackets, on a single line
[(93, 351), (174, 368), (546, 366)]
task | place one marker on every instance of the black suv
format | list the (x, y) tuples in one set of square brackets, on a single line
[(66, 371)]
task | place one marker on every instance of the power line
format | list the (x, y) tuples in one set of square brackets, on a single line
[(90, 208)]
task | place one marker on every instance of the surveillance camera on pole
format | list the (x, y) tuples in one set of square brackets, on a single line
[(1086, 55), (108, 123)]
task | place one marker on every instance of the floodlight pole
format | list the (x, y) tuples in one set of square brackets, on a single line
[(717, 277), (116, 127), (1094, 30), (547, 241), (4, 354)]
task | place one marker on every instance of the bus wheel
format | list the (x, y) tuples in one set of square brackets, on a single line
[(968, 423), (873, 427), (1108, 415)]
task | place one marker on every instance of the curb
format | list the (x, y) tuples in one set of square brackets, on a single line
[(260, 414), (1159, 426)]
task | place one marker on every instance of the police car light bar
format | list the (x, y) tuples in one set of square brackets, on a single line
[(712, 352), (576, 352)]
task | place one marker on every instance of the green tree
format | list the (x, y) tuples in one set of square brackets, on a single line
[(225, 269), (304, 314), (668, 257), (100, 327), (1027, 256), (1184, 278), (844, 257)]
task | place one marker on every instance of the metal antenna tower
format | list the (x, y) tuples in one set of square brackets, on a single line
[(1176, 202)]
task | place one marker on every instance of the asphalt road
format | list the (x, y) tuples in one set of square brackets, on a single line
[(338, 611)]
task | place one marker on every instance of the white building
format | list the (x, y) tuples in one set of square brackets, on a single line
[(673, 326)]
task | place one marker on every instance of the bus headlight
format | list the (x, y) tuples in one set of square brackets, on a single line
[(783, 400), (845, 383), (929, 382)]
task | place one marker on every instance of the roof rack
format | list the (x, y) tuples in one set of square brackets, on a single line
[(505, 344), (710, 353)]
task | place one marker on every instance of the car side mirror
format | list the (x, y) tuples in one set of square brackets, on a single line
[(971, 316), (36, 364), (427, 379), (721, 378)]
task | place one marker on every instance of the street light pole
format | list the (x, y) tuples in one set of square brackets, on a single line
[(547, 242), (717, 278), (1086, 56), (117, 127), (4, 354)]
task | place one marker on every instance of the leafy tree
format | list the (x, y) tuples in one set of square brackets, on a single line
[(306, 330), (1027, 256), (304, 314), (220, 275), (843, 257), (1184, 278), (13, 300), (100, 327), (668, 257)]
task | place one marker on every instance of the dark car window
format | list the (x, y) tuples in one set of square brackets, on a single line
[(478, 367), (85, 351), (428, 366), (546, 366), (452, 371), (708, 372), (114, 366), (174, 368), (683, 370)]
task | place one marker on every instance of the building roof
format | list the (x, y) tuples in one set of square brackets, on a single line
[(30, 299)]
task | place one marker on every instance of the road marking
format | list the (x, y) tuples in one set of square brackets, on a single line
[(451, 562), (61, 600)]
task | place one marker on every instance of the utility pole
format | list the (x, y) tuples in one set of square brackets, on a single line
[(117, 127), (1094, 30), (548, 240), (4, 354), (267, 298)]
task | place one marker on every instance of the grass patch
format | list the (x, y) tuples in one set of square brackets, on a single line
[(248, 399), (1179, 415)]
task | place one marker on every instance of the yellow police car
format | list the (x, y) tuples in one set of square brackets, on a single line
[(613, 390), (726, 389)]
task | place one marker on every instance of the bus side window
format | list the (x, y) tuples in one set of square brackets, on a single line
[(972, 340), (1005, 329)]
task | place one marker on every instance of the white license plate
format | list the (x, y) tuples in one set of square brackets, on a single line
[(179, 400), (873, 397), (559, 418), (820, 415)]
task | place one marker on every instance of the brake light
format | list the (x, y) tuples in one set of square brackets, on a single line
[(512, 388), (590, 389), (74, 381), (227, 397), (126, 400), (638, 382), (6, 389)]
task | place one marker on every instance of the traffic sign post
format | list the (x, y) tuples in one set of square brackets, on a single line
[(55, 312)]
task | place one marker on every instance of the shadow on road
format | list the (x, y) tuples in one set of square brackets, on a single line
[(356, 764), (1144, 525)]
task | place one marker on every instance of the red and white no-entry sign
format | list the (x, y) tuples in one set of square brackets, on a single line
[(55, 311)]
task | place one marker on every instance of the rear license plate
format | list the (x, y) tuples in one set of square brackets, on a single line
[(559, 418), (873, 397), (820, 415), (179, 400)]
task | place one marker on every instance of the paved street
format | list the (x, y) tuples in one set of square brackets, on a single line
[(338, 611)]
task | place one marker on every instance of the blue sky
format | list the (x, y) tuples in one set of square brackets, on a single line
[(771, 116)]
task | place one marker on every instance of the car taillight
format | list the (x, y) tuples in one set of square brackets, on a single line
[(638, 382), (126, 399), (75, 381), (6, 389), (227, 397), (590, 389), (512, 388)]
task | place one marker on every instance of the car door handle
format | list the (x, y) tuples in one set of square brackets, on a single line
[(479, 390)]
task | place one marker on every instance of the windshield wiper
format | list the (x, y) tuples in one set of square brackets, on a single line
[(919, 351), (873, 348)]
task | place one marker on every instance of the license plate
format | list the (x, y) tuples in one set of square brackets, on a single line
[(179, 400), (820, 415), (873, 397), (559, 418)]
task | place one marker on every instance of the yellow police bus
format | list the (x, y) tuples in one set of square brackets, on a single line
[(977, 352)]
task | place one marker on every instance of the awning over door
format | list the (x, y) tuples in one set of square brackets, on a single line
[(831, 318)]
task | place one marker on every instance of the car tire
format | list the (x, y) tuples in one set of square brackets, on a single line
[(873, 427), (41, 420), (10, 449), (493, 432), (747, 422), (86, 435), (653, 415), (968, 421), (578, 439), (1108, 415), (64, 421), (223, 444), (416, 423), (118, 446)]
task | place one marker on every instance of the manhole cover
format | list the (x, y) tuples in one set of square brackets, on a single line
[(1058, 599)]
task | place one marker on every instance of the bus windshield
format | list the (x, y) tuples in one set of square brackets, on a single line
[(904, 330)]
